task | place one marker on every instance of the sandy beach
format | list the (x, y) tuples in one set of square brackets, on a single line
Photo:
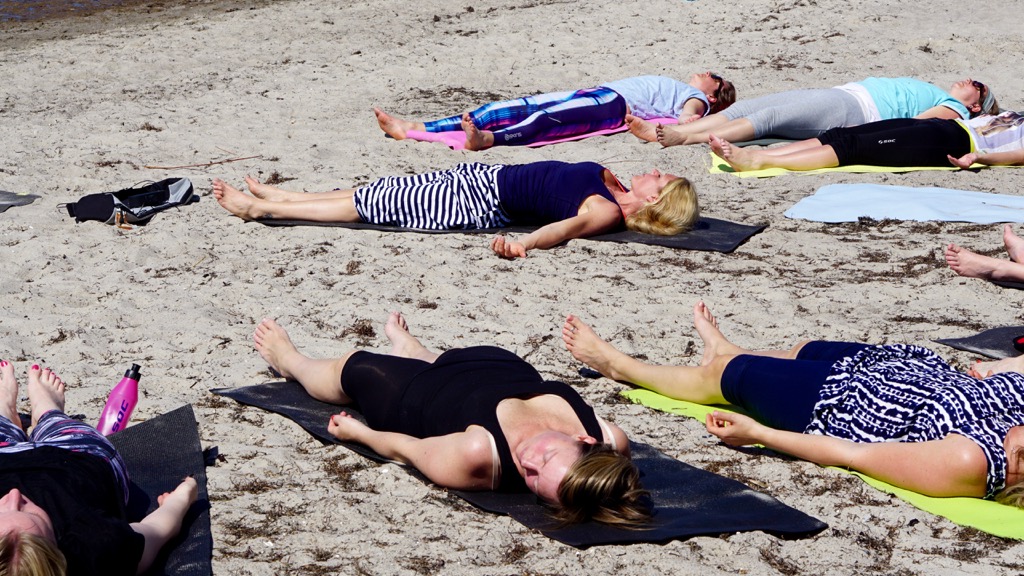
[(101, 102)]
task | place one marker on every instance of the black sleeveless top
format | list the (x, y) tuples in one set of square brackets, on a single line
[(549, 191), (464, 387)]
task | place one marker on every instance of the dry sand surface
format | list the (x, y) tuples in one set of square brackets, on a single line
[(90, 104)]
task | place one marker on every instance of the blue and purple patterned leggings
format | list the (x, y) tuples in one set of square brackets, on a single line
[(56, 429), (543, 117)]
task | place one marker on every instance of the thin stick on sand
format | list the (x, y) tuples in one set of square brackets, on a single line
[(213, 163)]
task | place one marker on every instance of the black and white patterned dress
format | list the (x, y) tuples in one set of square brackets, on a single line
[(904, 393)]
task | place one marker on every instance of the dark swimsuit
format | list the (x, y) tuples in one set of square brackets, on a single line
[(461, 388), (550, 191)]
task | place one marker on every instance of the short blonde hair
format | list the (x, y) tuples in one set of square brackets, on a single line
[(24, 554), (675, 211), (604, 486)]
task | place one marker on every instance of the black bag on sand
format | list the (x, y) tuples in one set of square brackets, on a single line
[(133, 205)]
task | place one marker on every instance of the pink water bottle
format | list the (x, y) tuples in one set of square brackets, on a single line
[(120, 403)]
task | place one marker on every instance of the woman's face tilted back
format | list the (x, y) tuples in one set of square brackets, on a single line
[(647, 187), (20, 514), (546, 458)]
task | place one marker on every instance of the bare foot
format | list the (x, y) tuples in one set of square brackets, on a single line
[(983, 370), (276, 348), (476, 139), (670, 136), (45, 392), (395, 127), (642, 129), (715, 343), (972, 265), (587, 347), (235, 201), (404, 344), (9, 393), (271, 193), (1014, 244), (739, 158)]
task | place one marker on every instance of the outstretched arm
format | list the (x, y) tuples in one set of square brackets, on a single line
[(1011, 158), (693, 109), (461, 460), (596, 217), (953, 466), (164, 523)]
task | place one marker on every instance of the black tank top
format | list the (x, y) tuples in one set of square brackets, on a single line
[(549, 191), (464, 387)]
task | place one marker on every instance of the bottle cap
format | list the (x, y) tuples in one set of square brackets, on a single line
[(133, 372)]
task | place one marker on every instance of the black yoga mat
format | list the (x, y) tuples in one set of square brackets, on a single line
[(160, 453), (994, 342), (687, 501), (9, 199), (710, 234), (1005, 284)]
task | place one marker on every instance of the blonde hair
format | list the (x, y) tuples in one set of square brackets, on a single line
[(24, 554), (676, 210), (603, 486), (1013, 494)]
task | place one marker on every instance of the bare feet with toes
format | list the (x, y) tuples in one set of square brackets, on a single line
[(396, 127), (234, 200), (1014, 244), (45, 392), (739, 158), (9, 393), (476, 139), (275, 347), (642, 129), (587, 347), (715, 343), (404, 344)]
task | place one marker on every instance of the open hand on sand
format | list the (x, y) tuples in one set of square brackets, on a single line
[(344, 427)]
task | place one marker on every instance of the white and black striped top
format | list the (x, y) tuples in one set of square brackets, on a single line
[(904, 393)]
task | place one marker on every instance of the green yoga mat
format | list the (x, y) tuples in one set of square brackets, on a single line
[(985, 515), (720, 166)]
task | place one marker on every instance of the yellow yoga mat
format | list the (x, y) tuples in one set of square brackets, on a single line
[(720, 166), (985, 515)]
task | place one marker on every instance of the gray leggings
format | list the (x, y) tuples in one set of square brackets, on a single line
[(798, 114)]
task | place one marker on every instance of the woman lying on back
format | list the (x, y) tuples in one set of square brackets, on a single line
[(476, 418), (989, 140), (896, 412), (567, 200)]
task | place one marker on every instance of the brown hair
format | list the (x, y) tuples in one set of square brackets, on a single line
[(24, 554), (676, 210), (725, 96), (603, 486)]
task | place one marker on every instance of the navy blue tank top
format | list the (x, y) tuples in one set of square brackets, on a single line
[(465, 386), (550, 191)]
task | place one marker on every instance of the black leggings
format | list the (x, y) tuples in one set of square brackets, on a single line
[(899, 142), (782, 393)]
